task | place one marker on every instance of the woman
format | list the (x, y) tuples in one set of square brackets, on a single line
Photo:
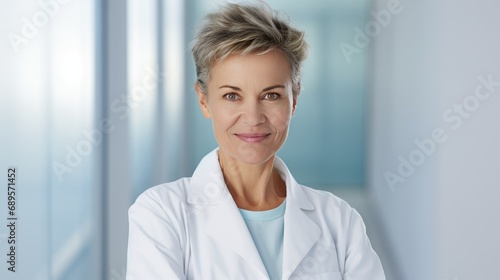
[(242, 215)]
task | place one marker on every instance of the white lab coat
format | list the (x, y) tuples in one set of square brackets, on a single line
[(192, 229)]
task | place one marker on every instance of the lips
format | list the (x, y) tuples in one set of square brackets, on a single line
[(252, 137)]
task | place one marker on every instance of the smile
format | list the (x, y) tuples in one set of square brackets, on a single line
[(253, 137)]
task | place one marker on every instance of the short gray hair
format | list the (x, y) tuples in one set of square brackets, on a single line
[(243, 29)]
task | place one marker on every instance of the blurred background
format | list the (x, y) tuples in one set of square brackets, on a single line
[(399, 115)]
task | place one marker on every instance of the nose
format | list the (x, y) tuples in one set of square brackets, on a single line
[(253, 113)]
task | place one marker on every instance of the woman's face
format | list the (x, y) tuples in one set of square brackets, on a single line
[(250, 102)]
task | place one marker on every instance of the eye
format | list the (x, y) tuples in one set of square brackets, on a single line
[(231, 96), (271, 96)]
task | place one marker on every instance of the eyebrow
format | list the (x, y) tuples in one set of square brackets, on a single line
[(239, 89)]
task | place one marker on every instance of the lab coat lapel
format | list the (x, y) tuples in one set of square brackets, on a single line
[(228, 227), (300, 232), (225, 223)]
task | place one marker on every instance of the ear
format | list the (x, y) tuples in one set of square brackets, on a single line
[(295, 97), (203, 101), (294, 104)]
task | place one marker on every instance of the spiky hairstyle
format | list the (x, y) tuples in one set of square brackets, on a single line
[(244, 29)]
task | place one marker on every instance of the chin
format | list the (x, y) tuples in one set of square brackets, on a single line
[(257, 160), (251, 155)]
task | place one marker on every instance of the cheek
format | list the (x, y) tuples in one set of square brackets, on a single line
[(280, 117), (222, 117)]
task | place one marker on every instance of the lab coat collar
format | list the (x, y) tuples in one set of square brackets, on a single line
[(207, 183), (208, 186), (300, 232)]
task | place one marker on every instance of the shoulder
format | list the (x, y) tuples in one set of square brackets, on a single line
[(344, 225), (332, 210), (163, 199), (326, 200)]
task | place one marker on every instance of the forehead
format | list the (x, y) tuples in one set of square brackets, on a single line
[(271, 67)]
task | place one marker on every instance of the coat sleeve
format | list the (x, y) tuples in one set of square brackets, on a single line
[(361, 263), (154, 244)]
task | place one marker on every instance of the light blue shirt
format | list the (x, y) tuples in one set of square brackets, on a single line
[(267, 231)]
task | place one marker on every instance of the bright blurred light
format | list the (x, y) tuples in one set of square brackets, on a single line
[(71, 68)]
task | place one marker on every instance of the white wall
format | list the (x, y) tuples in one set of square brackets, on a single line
[(441, 222)]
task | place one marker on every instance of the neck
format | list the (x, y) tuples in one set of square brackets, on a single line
[(253, 187)]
